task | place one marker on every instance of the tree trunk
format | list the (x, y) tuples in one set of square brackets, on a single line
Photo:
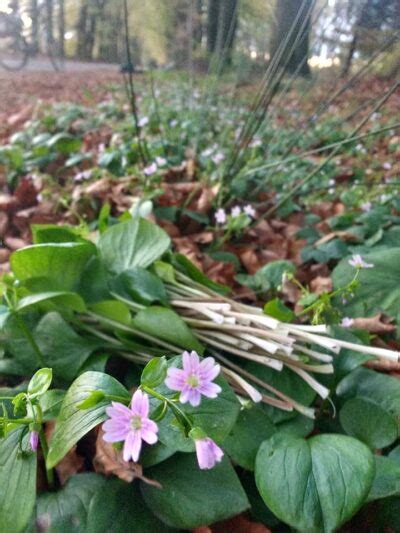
[(49, 23), (81, 30), (290, 40), (34, 14), (221, 27), (61, 27)]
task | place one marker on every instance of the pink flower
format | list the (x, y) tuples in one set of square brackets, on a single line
[(34, 440), (151, 169), (195, 379), (220, 216), (347, 322), (208, 453), (235, 211), (250, 211), (358, 262), (130, 424)]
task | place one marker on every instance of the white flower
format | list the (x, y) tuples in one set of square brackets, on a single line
[(235, 211), (143, 121), (161, 161), (358, 262), (151, 169), (84, 175), (366, 206), (218, 157), (220, 216), (347, 322), (250, 211), (386, 165)]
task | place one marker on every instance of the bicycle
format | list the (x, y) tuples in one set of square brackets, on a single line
[(15, 50)]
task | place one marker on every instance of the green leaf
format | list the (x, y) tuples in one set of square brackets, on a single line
[(184, 265), (62, 263), (368, 384), (40, 382), (253, 427), (387, 479), (64, 143), (46, 233), (191, 497), (267, 277), (119, 508), (379, 287), (63, 349), (59, 298), (4, 316), (17, 482), (140, 285), (314, 485), (155, 372), (368, 422), (135, 243), (72, 422), (277, 309), (66, 511), (167, 325), (114, 310)]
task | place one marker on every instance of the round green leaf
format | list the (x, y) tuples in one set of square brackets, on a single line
[(368, 422), (191, 497), (119, 508), (135, 243), (314, 485), (253, 427)]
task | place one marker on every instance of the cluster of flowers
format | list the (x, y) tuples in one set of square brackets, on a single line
[(221, 216), (132, 424)]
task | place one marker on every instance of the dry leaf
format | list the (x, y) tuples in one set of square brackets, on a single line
[(320, 284), (374, 324), (108, 460)]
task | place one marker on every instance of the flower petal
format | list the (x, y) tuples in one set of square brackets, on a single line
[(132, 446), (211, 390), (208, 369), (175, 379), (140, 403), (118, 410)]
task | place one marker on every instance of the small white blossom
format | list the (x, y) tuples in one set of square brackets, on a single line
[(358, 262), (220, 216), (143, 121), (151, 169), (366, 206), (250, 211), (347, 322), (235, 211)]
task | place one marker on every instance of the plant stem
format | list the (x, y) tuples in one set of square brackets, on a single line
[(30, 339), (45, 451)]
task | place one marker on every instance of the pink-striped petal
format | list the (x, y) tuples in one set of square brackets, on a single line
[(175, 379), (149, 436), (211, 390), (140, 403), (132, 446)]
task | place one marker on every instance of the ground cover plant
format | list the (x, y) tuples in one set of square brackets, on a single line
[(199, 303)]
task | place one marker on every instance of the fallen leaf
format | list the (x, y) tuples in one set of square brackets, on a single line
[(374, 324), (320, 284), (109, 461)]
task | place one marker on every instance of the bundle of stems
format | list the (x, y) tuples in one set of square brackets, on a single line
[(232, 331)]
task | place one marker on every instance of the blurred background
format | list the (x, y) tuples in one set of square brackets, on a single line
[(189, 34)]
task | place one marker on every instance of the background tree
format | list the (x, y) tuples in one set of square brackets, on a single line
[(291, 33), (221, 26)]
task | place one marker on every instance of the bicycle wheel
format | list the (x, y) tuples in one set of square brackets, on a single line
[(14, 52)]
